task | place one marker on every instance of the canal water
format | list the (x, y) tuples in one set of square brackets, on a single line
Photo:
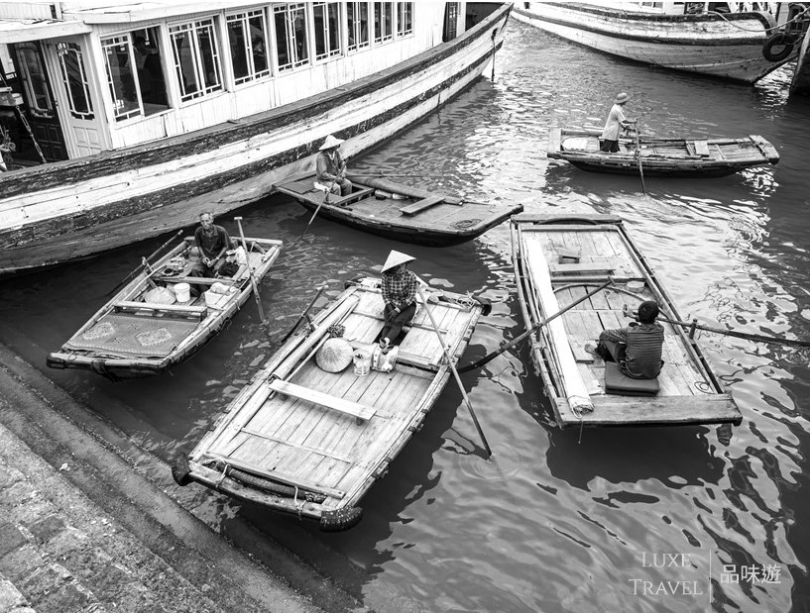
[(675, 519)]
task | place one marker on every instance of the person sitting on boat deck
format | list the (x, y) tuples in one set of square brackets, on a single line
[(636, 348), (330, 168), (235, 259), (616, 122), (212, 242), (399, 287)]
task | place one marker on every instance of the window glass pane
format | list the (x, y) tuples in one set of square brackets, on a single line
[(34, 79), (74, 78), (239, 50), (118, 61), (196, 58), (258, 45), (357, 22), (291, 36)]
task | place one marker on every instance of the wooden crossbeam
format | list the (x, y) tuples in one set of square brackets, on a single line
[(341, 405), (421, 205)]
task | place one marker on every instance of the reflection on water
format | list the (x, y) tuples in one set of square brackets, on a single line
[(557, 520)]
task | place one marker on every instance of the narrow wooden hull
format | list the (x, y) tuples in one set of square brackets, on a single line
[(401, 212), (72, 209), (132, 337), (309, 442), (725, 46), (574, 376), (661, 157)]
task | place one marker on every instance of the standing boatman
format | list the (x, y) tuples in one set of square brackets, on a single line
[(616, 122)]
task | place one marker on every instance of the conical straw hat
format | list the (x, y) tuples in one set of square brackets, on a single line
[(334, 355), (395, 258), (330, 142)]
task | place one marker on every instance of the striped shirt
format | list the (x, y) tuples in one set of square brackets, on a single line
[(643, 349), (400, 290)]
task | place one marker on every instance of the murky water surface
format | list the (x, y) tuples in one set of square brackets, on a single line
[(682, 519)]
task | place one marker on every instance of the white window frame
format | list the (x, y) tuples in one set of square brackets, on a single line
[(400, 12), (380, 38), (192, 29), (327, 39), (245, 18), (289, 31), (116, 41), (355, 28)]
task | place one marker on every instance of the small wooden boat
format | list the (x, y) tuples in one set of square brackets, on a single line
[(401, 212), (663, 157), (155, 322), (309, 442), (557, 260)]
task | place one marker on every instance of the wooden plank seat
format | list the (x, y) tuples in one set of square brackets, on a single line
[(701, 148), (170, 309), (275, 475), (359, 411), (421, 205), (351, 198), (591, 268)]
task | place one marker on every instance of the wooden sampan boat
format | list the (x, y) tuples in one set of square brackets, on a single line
[(663, 157), (558, 259), (152, 324), (302, 440), (401, 212)]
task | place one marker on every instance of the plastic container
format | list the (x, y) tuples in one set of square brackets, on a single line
[(182, 292), (362, 362)]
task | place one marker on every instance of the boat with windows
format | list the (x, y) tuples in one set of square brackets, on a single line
[(122, 122), (741, 41)]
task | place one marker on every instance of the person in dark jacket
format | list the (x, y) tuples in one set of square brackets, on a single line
[(637, 348)]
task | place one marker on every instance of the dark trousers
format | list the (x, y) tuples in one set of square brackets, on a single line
[(394, 321), (611, 351), (610, 146)]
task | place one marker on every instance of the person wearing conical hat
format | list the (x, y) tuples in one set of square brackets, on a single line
[(330, 168), (399, 287), (616, 122)]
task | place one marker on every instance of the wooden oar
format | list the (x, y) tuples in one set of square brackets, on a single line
[(455, 372), (318, 208), (145, 262), (532, 330), (250, 271), (638, 159), (694, 325), (304, 315)]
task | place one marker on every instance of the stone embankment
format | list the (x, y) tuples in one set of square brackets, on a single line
[(82, 529)]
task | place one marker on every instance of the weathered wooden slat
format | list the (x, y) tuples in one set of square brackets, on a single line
[(558, 270), (325, 400), (126, 305), (702, 147), (421, 205), (278, 476), (663, 410)]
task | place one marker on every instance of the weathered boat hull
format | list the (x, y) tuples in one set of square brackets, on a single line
[(384, 208), (661, 157), (565, 256), (725, 46), (143, 191), (308, 442), (166, 335)]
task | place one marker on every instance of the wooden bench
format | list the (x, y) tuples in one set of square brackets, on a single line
[(591, 268), (701, 148), (170, 309), (421, 205), (359, 411)]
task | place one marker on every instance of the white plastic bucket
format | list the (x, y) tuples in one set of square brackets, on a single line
[(182, 292)]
